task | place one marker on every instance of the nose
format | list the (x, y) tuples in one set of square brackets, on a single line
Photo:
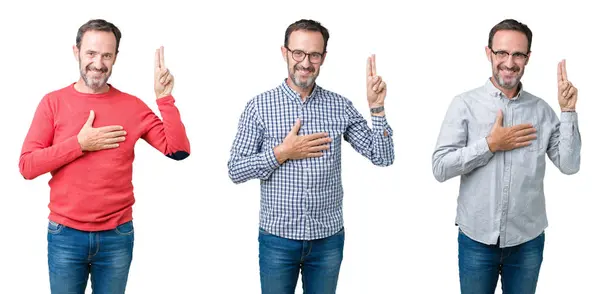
[(509, 61), (306, 62), (97, 61)]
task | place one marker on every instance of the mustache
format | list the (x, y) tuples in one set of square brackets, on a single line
[(91, 68), (299, 67), (514, 68)]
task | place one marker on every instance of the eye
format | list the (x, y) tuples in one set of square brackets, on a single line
[(520, 55), (315, 56), (298, 54)]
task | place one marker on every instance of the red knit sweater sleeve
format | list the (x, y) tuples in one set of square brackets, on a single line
[(39, 153), (167, 135)]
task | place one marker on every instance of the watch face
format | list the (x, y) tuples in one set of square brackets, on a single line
[(377, 109)]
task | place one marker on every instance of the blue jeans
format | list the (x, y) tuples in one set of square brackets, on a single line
[(74, 255), (480, 265), (281, 261)]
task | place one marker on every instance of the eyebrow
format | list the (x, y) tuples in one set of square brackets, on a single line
[(305, 51), (502, 50), (96, 52)]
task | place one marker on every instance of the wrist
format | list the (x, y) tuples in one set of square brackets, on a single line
[(377, 109), (162, 95), (280, 153), (80, 142), (491, 144), (564, 109)]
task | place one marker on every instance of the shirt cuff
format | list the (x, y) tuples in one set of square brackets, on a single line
[(270, 159), (73, 143), (483, 149), (568, 116), (166, 100), (380, 125)]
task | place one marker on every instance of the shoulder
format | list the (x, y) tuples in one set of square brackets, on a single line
[(333, 96)]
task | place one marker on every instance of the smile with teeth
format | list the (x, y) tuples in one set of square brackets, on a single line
[(509, 72)]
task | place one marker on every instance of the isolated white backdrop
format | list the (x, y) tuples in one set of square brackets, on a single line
[(196, 232)]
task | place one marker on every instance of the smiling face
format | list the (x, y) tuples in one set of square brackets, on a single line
[(508, 56), (96, 56), (304, 56)]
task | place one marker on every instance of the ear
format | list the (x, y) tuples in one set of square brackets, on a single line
[(323, 59), (488, 52), (115, 59), (284, 53), (528, 57), (76, 52)]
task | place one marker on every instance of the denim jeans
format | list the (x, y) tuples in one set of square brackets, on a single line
[(74, 255), (480, 266), (281, 261)]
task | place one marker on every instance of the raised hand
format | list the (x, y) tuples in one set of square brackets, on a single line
[(163, 79), (567, 93), (300, 147), (94, 139), (503, 139), (376, 87)]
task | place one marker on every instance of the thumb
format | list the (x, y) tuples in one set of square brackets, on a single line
[(296, 127), (90, 119), (499, 119)]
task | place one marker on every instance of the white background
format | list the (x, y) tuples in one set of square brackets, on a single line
[(196, 232)]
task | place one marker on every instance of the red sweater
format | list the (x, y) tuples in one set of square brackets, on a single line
[(92, 191)]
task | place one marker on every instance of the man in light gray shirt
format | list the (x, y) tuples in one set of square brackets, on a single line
[(495, 138)]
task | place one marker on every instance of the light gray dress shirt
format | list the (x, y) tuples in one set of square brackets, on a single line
[(501, 196)]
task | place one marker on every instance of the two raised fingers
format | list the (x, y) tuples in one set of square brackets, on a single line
[(159, 59), (561, 73)]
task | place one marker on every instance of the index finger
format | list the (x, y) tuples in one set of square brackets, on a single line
[(523, 126), (559, 76), (373, 66), (157, 59), (369, 69), (316, 136), (162, 57), (564, 70), (110, 128)]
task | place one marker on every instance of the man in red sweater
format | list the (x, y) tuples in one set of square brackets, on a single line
[(84, 135)]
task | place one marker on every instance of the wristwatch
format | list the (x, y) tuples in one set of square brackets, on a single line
[(377, 109)]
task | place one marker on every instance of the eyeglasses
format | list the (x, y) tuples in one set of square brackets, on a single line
[(299, 55), (503, 55)]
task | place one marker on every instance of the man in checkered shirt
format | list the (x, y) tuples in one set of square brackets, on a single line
[(290, 138)]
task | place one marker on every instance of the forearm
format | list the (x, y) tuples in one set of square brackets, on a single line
[(449, 161), (382, 147), (170, 136), (569, 145), (35, 161), (256, 166)]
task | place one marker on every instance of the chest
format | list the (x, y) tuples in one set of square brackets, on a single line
[(315, 117), (481, 116), (70, 117)]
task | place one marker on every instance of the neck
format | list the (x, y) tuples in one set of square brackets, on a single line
[(304, 92), (509, 93), (81, 87)]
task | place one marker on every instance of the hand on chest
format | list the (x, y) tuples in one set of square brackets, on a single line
[(69, 125)]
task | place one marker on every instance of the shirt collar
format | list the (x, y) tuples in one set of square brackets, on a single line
[(290, 93), (495, 92)]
